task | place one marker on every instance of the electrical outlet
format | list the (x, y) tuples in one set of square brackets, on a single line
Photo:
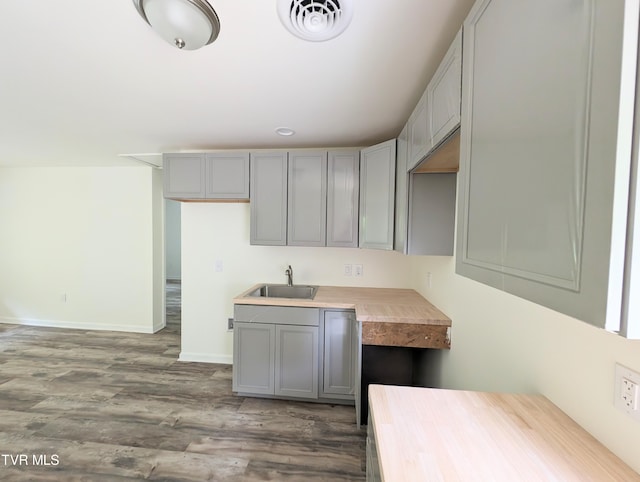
[(348, 270), (357, 270), (218, 266), (627, 391), (429, 277), (229, 323)]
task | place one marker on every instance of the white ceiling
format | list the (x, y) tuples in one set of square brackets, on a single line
[(84, 81)]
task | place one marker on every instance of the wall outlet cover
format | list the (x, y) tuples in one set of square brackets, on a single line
[(627, 391)]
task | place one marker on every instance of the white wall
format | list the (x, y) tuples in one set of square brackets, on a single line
[(172, 240), (220, 231), (504, 343), (86, 233)]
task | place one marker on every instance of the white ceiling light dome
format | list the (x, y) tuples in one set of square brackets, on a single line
[(315, 20), (186, 24)]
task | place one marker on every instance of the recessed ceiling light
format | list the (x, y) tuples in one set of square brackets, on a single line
[(285, 131)]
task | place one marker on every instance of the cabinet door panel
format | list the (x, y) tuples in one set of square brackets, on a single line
[(269, 198), (342, 198), (443, 94), (402, 194), (296, 373), (227, 175), (338, 373), (541, 159), (254, 358), (184, 176), (307, 213), (377, 192), (418, 130)]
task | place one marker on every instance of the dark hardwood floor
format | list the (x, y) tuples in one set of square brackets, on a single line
[(107, 406)]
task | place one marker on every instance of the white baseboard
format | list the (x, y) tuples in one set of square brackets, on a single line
[(206, 358), (75, 325)]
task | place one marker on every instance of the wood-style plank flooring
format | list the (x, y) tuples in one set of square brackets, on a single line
[(108, 406)]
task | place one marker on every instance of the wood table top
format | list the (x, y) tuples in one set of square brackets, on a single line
[(453, 435)]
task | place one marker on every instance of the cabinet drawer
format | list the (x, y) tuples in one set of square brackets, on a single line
[(281, 315)]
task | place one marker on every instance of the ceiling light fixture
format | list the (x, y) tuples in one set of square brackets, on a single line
[(285, 131), (186, 24), (315, 20)]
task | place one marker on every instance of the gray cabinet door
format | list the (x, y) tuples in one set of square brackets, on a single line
[(443, 94), (418, 132), (227, 175), (254, 358), (377, 192), (268, 198), (307, 185), (296, 373), (184, 176), (544, 153), (338, 377), (343, 173), (402, 193)]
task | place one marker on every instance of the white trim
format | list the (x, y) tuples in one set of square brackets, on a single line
[(74, 325), (206, 358)]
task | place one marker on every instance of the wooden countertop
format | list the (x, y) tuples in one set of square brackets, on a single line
[(389, 316), (433, 434)]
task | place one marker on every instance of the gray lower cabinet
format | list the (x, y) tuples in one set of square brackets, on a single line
[(269, 198), (216, 175), (377, 193), (545, 142), (254, 358), (276, 351), (296, 369), (338, 374)]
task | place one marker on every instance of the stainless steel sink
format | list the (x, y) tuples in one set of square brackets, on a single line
[(305, 292)]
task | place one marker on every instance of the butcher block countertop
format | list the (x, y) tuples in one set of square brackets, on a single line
[(389, 316), (432, 434)]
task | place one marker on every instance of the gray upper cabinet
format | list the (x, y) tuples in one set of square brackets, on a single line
[(307, 213), (443, 94), (269, 198), (184, 176), (418, 132), (377, 193), (343, 173), (227, 175), (402, 193), (545, 152), (223, 176)]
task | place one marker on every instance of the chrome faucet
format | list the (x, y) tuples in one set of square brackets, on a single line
[(289, 273)]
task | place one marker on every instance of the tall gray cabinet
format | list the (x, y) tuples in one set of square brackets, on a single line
[(307, 193), (545, 144), (377, 192), (269, 198)]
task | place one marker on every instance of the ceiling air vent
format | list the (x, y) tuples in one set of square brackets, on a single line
[(315, 20)]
